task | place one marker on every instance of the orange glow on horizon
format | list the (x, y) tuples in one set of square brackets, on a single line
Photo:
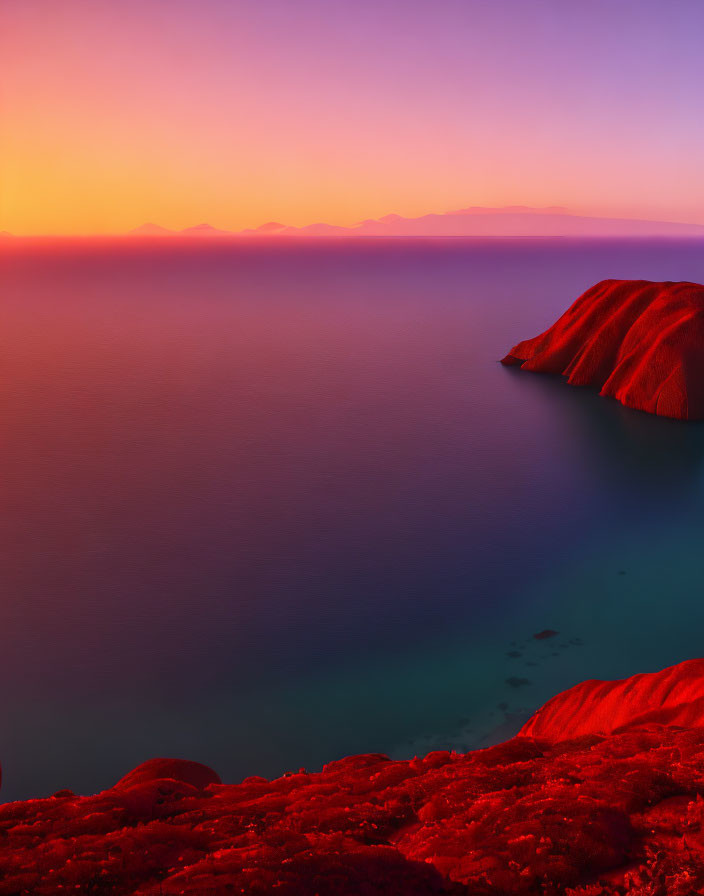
[(238, 114)]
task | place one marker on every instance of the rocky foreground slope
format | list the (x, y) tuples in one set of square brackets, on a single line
[(601, 813), (634, 340)]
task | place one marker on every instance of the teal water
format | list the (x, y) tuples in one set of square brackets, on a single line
[(266, 506)]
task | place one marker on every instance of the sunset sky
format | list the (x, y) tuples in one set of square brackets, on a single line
[(238, 112)]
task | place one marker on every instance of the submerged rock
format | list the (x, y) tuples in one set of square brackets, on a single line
[(634, 340)]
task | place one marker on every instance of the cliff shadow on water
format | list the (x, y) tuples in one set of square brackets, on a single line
[(629, 448)]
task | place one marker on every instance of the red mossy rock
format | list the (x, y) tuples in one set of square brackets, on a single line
[(673, 697), (634, 340), (184, 770), (596, 815)]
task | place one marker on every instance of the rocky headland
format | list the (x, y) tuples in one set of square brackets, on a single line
[(637, 341)]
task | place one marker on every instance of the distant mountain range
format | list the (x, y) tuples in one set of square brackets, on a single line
[(476, 221), (199, 230), (151, 230)]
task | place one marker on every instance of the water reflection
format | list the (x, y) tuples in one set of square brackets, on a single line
[(264, 506), (627, 448)]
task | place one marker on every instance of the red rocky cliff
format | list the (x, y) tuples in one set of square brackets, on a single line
[(637, 341)]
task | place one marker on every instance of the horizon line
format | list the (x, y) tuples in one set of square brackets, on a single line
[(386, 226)]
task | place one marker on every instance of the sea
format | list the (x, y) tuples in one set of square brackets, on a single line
[(267, 504)]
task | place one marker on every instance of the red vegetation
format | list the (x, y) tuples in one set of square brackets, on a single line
[(591, 816), (637, 341)]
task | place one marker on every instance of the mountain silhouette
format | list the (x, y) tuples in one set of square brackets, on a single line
[(204, 230), (150, 229), (474, 221)]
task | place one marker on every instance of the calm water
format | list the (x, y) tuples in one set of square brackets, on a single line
[(267, 506)]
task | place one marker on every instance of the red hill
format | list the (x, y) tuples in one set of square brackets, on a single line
[(634, 340), (673, 697)]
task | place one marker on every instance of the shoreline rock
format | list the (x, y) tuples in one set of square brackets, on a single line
[(573, 812), (637, 341)]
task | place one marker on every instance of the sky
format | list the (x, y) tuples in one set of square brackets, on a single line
[(238, 112)]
